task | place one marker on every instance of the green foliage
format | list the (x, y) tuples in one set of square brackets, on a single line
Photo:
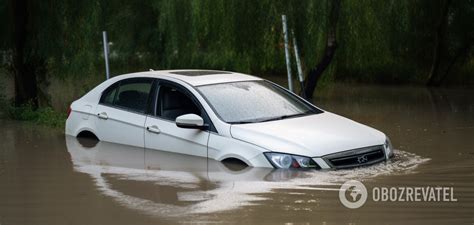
[(378, 41), (388, 41), (44, 116)]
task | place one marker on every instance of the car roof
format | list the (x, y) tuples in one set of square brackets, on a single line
[(196, 77)]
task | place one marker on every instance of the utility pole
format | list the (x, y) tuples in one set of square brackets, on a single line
[(106, 54), (287, 53), (298, 65)]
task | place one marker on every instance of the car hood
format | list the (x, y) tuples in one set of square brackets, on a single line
[(313, 136)]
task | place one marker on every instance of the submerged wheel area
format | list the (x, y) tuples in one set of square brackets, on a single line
[(87, 139), (234, 164)]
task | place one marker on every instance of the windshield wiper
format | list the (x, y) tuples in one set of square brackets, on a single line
[(244, 122), (272, 118), (285, 117)]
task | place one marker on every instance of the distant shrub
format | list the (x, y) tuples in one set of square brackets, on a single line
[(44, 116)]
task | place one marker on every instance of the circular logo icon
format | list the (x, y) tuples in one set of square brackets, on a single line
[(353, 194)]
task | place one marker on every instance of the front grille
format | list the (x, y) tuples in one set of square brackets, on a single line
[(356, 157)]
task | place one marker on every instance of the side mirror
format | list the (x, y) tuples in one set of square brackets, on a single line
[(190, 121)]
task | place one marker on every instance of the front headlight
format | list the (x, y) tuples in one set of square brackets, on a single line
[(281, 160), (388, 148)]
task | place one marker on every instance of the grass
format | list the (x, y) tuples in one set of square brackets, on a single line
[(42, 116)]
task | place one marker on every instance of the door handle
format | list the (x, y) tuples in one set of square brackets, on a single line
[(102, 115), (153, 129)]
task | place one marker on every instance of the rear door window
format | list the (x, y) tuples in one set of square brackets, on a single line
[(130, 94)]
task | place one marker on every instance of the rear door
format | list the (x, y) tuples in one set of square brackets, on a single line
[(121, 112), (161, 132)]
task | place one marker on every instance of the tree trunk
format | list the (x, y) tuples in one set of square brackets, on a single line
[(315, 74), (439, 38), (23, 68), (459, 56)]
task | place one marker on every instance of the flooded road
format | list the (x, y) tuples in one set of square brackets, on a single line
[(47, 178)]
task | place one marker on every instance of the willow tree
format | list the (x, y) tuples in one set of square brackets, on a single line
[(26, 64), (329, 51), (453, 43), (44, 37), (358, 40)]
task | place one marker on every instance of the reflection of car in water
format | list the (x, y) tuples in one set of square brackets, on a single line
[(160, 183), (223, 116), (171, 184), (89, 152)]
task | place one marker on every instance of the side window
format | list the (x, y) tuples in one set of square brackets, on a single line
[(108, 96), (131, 94), (172, 102)]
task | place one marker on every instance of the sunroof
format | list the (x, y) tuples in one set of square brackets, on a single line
[(199, 72)]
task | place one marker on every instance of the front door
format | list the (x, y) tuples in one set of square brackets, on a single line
[(161, 132)]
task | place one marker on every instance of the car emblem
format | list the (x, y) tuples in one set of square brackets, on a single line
[(362, 159)]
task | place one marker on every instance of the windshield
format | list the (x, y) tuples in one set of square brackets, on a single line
[(253, 101)]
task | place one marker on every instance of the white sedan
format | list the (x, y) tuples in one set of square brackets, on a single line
[(224, 116)]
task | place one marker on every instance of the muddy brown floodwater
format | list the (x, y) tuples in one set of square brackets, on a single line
[(47, 178)]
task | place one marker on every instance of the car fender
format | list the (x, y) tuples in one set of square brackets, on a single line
[(85, 129), (232, 155), (221, 147), (76, 123)]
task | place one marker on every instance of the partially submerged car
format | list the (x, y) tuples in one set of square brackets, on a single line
[(223, 116)]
